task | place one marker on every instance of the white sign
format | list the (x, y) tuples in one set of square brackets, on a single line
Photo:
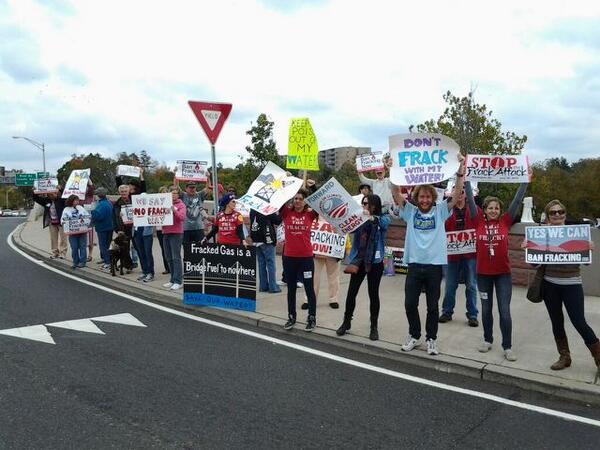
[(192, 171), (242, 209), (77, 184), (327, 242), (45, 186), (461, 242), (369, 161), (152, 210), (128, 171), (419, 158), (498, 168), (77, 222), (127, 214), (271, 190), (333, 203)]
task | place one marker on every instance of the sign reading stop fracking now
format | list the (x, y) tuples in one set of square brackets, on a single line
[(460, 242), (498, 168), (325, 241), (152, 210)]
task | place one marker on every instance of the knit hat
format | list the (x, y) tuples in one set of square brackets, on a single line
[(101, 192), (226, 199)]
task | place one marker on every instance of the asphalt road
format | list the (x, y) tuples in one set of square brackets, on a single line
[(179, 384)]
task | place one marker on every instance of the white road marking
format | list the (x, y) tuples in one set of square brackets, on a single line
[(85, 325), (34, 332), (123, 319), (330, 356)]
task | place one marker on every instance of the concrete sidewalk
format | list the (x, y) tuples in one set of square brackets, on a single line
[(532, 336)]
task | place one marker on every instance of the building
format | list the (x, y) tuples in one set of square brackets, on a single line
[(7, 177), (334, 158)]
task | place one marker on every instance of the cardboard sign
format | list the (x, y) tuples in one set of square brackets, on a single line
[(461, 242), (192, 171), (219, 275), (333, 203), (370, 161), (152, 210), (77, 184), (325, 241), (127, 214), (78, 222), (566, 244), (128, 171), (498, 168), (242, 209), (419, 158), (303, 149), (271, 190), (45, 186)]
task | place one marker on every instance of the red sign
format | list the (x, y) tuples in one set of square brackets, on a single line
[(211, 116)]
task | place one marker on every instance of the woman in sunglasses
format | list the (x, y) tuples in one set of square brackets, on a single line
[(366, 259)]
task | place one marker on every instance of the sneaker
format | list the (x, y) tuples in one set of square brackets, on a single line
[(432, 348), (473, 322), (299, 285), (61, 257), (275, 291), (141, 277), (134, 266), (167, 285), (175, 286), (445, 318), (311, 323), (100, 262), (281, 283), (334, 305), (105, 266), (148, 278), (509, 355), (410, 344), (304, 305), (290, 323), (53, 256), (165, 272), (485, 347), (80, 266)]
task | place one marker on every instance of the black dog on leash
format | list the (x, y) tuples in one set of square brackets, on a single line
[(119, 254)]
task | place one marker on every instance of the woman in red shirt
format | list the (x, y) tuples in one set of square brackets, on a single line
[(229, 224), (298, 260)]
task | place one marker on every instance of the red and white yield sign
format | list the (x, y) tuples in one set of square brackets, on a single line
[(211, 116)]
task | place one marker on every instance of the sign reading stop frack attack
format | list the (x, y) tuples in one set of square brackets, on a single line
[(212, 117), (460, 242), (152, 210), (498, 168), (566, 244)]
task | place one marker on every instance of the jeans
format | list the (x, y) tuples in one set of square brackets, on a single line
[(571, 296), (78, 243), (159, 236), (373, 280), (172, 243), (300, 267), (104, 238), (468, 266), (503, 284), (144, 246), (265, 257), (193, 236), (419, 275)]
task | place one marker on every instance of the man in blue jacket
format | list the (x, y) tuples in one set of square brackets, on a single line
[(103, 222)]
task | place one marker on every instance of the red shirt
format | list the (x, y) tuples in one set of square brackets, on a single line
[(297, 227), (494, 232), (228, 224)]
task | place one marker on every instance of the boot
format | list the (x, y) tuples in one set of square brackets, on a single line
[(345, 326), (564, 360), (595, 351), (374, 334)]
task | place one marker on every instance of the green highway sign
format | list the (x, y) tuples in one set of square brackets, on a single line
[(43, 175), (25, 179)]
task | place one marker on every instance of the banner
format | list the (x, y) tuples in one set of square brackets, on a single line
[(461, 242), (337, 207), (192, 171), (498, 168), (78, 223), (152, 210), (303, 149), (127, 214), (419, 158), (128, 171), (271, 190), (327, 242), (77, 184), (219, 275), (45, 186), (370, 161), (566, 244)]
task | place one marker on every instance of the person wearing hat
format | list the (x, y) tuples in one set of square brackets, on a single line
[(102, 220), (193, 227), (229, 224), (380, 186)]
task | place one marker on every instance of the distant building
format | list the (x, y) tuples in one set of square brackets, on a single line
[(7, 176), (334, 158)]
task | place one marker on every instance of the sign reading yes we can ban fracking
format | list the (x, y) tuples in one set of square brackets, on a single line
[(567, 244), (152, 210), (419, 158), (303, 149)]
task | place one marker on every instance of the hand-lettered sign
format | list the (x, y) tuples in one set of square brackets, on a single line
[(192, 171), (152, 210), (498, 168), (45, 186), (461, 242), (325, 241), (128, 171), (370, 161), (566, 244), (303, 149), (77, 184)]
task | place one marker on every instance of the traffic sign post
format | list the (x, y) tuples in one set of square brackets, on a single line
[(25, 179), (212, 116)]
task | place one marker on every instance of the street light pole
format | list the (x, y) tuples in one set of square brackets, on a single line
[(39, 145)]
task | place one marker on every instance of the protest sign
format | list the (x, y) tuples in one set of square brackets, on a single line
[(333, 203), (77, 184), (242, 209), (45, 186), (327, 242), (460, 242), (152, 210), (370, 161), (77, 223), (127, 214), (567, 244), (303, 149), (419, 158), (271, 190), (219, 275), (498, 168), (192, 171), (128, 171)]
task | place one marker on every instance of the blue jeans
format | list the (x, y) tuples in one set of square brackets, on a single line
[(144, 246), (503, 284), (172, 244), (104, 238), (78, 243), (468, 266), (265, 257)]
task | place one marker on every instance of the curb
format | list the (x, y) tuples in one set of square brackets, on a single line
[(578, 391)]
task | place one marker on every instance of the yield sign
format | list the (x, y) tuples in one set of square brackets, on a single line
[(211, 116)]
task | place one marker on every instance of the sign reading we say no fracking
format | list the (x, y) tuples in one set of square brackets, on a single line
[(212, 117)]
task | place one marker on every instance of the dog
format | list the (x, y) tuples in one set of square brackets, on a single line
[(119, 254)]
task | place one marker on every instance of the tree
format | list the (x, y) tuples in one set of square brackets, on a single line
[(102, 171), (146, 161), (263, 148)]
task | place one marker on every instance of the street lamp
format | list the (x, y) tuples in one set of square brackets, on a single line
[(39, 145)]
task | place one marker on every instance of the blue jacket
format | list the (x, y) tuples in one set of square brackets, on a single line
[(384, 222), (102, 215)]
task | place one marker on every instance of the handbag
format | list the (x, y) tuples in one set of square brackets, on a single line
[(352, 269), (534, 290)]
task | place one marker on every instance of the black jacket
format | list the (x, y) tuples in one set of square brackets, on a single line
[(262, 228), (59, 204)]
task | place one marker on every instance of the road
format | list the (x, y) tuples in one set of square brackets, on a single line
[(177, 383)]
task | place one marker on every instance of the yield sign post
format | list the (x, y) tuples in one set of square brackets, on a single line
[(212, 116)]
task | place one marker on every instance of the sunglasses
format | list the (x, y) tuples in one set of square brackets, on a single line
[(556, 212)]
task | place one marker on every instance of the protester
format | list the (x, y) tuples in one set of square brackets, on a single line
[(159, 236), (298, 256), (493, 265), (144, 238), (425, 254), (88, 204), (193, 227), (102, 220), (119, 206), (172, 239), (73, 211), (366, 257), (53, 206), (229, 224), (136, 187), (264, 237), (381, 187)]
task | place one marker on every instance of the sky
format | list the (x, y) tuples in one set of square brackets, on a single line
[(111, 76)]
